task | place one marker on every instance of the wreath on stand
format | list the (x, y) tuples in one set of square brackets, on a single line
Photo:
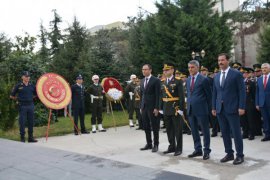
[(113, 92)]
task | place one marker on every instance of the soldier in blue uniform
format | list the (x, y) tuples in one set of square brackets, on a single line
[(78, 106), (24, 93)]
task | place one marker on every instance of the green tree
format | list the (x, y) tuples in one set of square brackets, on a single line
[(66, 60), (264, 39), (43, 53), (55, 34), (102, 54)]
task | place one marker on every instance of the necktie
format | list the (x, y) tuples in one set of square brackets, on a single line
[(265, 81), (192, 83), (145, 83), (223, 79), (168, 80)]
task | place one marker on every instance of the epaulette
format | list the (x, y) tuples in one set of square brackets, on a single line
[(163, 79), (178, 78)]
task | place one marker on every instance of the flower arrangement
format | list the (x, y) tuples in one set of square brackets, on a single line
[(113, 89)]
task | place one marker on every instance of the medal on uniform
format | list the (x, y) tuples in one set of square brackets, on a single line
[(172, 85)]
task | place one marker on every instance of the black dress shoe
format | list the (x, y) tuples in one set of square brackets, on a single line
[(75, 133), (214, 135), (228, 157), (85, 132), (251, 138), (169, 151), (266, 139), (155, 148), (32, 140), (189, 133), (195, 154), (146, 147), (102, 130), (94, 131), (244, 136), (177, 153), (206, 156), (238, 160), (23, 139)]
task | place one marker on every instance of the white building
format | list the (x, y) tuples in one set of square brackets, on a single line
[(227, 5)]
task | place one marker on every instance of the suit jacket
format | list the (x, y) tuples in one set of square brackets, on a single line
[(150, 95), (232, 96), (78, 96), (262, 95), (175, 87), (199, 100)]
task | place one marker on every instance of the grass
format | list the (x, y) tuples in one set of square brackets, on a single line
[(65, 126)]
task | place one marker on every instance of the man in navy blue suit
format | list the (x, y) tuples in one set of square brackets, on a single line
[(228, 104), (198, 109), (263, 99)]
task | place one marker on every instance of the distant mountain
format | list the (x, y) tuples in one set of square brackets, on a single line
[(117, 24)]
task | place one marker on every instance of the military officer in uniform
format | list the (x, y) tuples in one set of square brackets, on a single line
[(78, 104), (257, 74), (25, 92), (137, 104), (96, 94), (250, 119), (257, 71), (172, 107), (236, 65), (129, 93)]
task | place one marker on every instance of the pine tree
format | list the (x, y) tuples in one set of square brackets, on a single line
[(43, 53), (67, 58), (55, 34), (264, 39)]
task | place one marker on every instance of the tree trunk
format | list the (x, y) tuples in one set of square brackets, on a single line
[(242, 39)]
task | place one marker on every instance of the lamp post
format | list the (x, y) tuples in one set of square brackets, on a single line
[(198, 55)]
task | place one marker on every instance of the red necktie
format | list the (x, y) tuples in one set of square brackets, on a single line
[(192, 83), (265, 81)]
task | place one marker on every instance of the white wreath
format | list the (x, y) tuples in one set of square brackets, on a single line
[(115, 94)]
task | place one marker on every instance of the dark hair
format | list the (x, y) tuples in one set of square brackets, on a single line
[(226, 55), (149, 66)]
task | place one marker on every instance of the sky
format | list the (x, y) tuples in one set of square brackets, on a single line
[(19, 16)]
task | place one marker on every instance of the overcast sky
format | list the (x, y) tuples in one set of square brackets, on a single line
[(19, 16)]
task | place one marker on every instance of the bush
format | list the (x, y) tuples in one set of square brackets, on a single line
[(42, 115), (8, 110)]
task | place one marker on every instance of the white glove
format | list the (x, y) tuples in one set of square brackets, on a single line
[(131, 95), (160, 111), (180, 112)]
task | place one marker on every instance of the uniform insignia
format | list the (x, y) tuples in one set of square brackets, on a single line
[(178, 78)]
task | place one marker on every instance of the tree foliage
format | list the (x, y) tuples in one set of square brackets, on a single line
[(263, 51)]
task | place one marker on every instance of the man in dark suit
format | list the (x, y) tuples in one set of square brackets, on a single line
[(228, 104), (198, 109), (78, 107), (263, 99), (172, 107), (150, 93)]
